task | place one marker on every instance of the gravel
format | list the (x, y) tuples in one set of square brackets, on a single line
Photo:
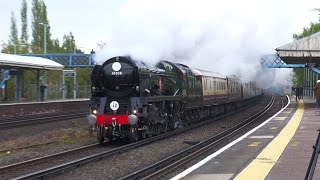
[(24, 143)]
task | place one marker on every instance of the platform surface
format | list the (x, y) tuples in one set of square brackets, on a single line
[(280, 149)]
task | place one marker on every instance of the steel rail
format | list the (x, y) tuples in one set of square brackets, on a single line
[(29, 120), (160, 169), (85, 160), (12, 170)]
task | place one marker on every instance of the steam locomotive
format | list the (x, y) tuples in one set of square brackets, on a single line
[(133, 100)]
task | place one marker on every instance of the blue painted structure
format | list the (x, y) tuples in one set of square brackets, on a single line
[(68, 60), (5, 76), (274, 61)]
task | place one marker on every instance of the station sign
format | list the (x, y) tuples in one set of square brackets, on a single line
[(68, 73)]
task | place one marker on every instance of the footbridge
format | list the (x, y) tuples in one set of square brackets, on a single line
[(68, 60)]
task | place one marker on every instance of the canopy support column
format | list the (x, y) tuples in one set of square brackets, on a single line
[(38, 84)]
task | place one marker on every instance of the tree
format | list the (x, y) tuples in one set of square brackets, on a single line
[(56, 46), (13, 39), (314, 28), (101, 45), (24, 27), (36, 12), (44, 20), (69, 43), (39, 20)]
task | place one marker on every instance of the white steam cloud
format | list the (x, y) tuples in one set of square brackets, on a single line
[(221, 36)]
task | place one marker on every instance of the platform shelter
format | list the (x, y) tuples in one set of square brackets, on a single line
[(14, 66), (306, 53)]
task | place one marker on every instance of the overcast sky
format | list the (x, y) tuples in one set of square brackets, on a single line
[(226, 35), (91, 21)]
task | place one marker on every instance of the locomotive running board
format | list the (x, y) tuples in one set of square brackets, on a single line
[(163, 98)]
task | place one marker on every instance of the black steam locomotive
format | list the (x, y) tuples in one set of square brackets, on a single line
[(133, 100)]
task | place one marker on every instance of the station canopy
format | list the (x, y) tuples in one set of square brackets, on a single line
[(29, 62), (305, 50)]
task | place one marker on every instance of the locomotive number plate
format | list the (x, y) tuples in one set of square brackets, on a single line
[(114, 105), (116, 73)]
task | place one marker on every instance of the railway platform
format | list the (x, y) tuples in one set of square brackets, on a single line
[(43, 107), (279, 149)]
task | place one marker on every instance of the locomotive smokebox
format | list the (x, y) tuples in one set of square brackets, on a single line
[(132, 119), (92, 119)]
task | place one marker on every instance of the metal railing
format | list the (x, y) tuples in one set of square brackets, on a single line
[(314, 159)]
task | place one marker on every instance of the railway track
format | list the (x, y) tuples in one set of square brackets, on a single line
[(19, 121), (46, 166), (55, 164), (60, 162), (28, 167), (177, 162)]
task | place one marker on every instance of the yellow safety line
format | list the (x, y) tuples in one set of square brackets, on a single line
[(260, 167)]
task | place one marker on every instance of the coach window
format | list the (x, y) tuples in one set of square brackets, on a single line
[(205, 84), (234, 86)]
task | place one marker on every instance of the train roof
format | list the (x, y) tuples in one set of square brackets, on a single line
[(234, 77), (199, 72)]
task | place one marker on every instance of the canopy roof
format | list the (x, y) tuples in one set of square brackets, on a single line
[(305, 50), (28, 62)]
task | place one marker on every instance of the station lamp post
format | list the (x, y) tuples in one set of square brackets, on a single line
[(45, 37), (15, 47)]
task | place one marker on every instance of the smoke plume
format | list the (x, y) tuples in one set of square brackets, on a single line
[(225, 37)]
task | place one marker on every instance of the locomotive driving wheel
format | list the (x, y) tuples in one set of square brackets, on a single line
[(100, 134), (165, 127), (144, 134), (134, 135), (158, 129)]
